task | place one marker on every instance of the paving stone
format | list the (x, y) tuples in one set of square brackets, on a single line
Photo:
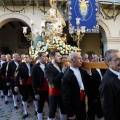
[(7, 111)]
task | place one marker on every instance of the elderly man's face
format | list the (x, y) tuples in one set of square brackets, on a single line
[(114, 63), (77, 61)]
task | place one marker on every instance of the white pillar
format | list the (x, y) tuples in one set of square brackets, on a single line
[(111, 43)]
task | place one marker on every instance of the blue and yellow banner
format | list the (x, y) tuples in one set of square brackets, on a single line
[(87, 11)]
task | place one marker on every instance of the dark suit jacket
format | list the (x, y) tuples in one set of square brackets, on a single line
[(11, 71), (3, 69), (22, 73), (37, 77), (71, 91), (54, 76), (94, 84), (110, 96)]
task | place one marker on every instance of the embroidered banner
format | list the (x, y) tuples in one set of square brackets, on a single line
[(87, 11)]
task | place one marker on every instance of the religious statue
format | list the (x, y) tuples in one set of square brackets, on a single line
[(54, 13)]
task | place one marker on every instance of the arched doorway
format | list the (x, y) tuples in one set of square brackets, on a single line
[(94, 42), (11, 35), (12, 39)]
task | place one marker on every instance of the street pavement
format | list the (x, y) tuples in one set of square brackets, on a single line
[(7, 111)]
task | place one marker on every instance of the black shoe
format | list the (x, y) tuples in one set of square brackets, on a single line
[(25, 116), (35, 113), (2, 96), (15, 107), (6, 102)]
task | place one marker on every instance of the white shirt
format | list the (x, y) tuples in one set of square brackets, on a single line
[(28, 65), (78, 76), (42, 66), (99, 73), (116, 73), (57, 67), (2, 62), (16, 63)]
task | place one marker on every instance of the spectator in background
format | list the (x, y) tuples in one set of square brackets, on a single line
[(85, 58), (101, 59), (65, 58)]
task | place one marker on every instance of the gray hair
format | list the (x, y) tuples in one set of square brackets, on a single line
[(108, 54), (72, 55), (85, 55)]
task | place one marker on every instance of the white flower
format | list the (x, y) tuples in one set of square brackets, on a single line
[(57, 45), (62, 52)]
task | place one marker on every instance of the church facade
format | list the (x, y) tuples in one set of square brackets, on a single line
[(108, 38)]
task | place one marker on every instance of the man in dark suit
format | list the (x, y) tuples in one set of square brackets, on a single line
[(74, 87), (39, 83), (12, 66), (54, 74), (3, 59), (23, 82), (3, 76), (110, 86)]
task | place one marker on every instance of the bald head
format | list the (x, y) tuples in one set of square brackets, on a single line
[(16, 56)]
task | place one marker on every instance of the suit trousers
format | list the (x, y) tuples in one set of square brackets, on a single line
[(43, 98), (12, 87), (55, 101), (1, 84), (5, 88), (94, 108), (26, 90)]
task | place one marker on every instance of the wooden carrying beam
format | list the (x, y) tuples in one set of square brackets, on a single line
[(100, 65)]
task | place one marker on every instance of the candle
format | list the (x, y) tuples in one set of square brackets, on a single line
[(78, 31), (71, 30), (83, 29), (31, 22), (43, 23), (36, 30), (25, 29), (77, 21)]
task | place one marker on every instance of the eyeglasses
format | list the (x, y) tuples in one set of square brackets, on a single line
[(117, 59)]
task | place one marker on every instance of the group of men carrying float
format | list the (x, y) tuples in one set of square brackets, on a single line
[(61, 87)]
